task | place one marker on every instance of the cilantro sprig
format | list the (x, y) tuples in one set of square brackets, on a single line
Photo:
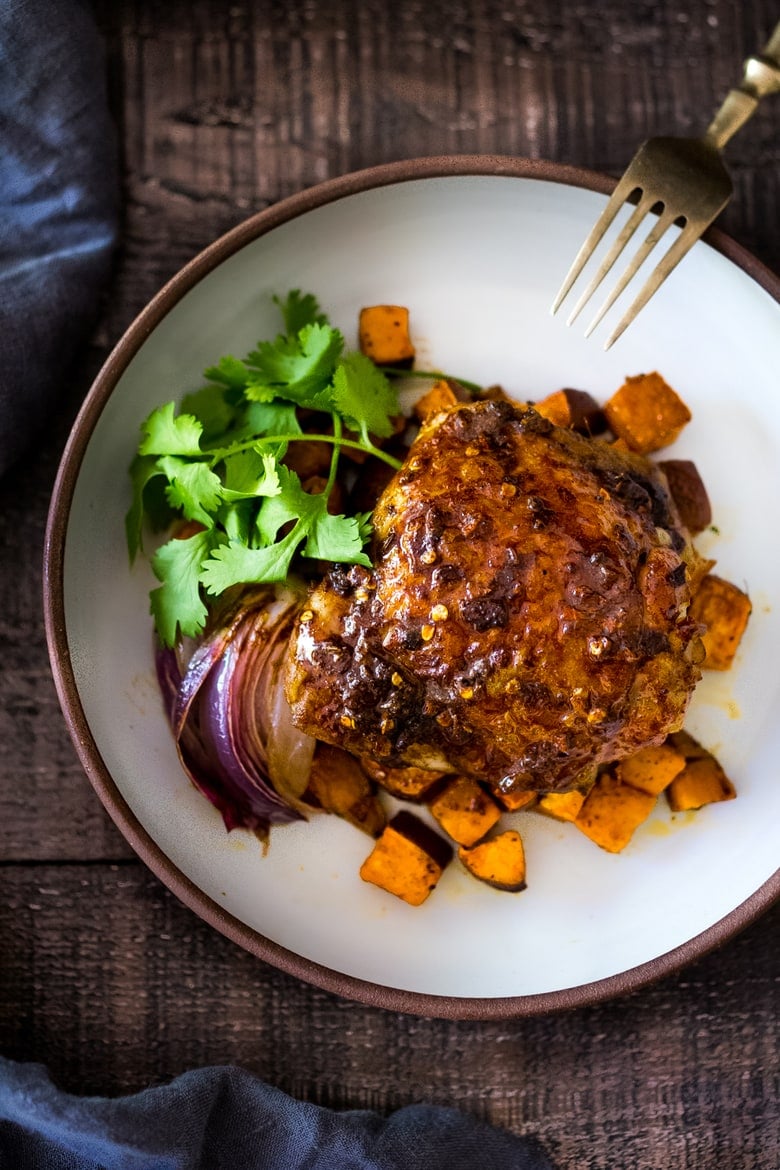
[(217, 466)]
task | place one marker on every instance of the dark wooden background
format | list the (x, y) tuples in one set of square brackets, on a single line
[(223, 109)]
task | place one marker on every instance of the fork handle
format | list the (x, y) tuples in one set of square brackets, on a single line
[(761, 76)]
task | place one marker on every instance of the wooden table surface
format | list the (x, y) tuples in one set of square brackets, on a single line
[(223, 109)]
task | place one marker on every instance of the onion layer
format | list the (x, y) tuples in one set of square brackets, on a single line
[(230, 718)]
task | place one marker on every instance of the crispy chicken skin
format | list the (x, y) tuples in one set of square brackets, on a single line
[(526, 618)]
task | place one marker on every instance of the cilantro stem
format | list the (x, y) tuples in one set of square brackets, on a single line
[(392, 371), (334, 458), (250, 444)]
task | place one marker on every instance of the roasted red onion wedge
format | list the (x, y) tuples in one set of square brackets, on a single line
[(231, 721)]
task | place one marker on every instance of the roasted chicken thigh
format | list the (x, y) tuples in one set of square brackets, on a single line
[(526, 618)]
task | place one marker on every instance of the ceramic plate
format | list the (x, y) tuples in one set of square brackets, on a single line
[(476, 248)]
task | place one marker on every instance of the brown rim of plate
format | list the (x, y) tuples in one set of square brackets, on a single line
[(376, 995)]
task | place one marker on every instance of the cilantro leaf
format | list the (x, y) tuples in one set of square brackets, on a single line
[(218, 462), (166, 434), (143, 470), (257, 420), (192, 487), (272, 418), (236, 564), (298, 369), (299, 309), (249, 474), (210, 407), (334, 538), (238, 520), (228, 371), (364, 396), (177, 605), (365, 526), (290, 503)]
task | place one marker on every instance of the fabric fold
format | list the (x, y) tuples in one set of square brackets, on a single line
[(224, 1117), (59, 203)]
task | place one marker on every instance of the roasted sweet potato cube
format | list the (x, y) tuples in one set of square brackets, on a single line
[(500, 861), (339, 785), (575, 409), (612, 811), (465, 811), (406, 783), (563, 806), (724, 610), (701, 782), (384, 335), (688, 492), (651, 769), (441, 395), (515, 800), (407, 860), (647, 413)]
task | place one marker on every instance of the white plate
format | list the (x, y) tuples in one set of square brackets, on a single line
[(478, 258)]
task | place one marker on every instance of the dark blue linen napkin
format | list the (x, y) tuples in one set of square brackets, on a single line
[(223, 1118), (58, 203)]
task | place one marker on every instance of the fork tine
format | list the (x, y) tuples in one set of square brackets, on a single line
[(684, 242), (626, 232), (665, 221), (618, 197)]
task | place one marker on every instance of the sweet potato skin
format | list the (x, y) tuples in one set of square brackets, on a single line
[(407, 860), (573, 408), (688, 492), (499, 862), (688, 746)]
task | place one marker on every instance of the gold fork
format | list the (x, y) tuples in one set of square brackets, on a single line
[(684, 182)]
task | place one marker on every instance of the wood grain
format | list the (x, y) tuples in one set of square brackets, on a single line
[(221, 110), (115, 984)]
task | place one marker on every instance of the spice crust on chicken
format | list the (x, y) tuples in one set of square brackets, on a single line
[(526, 617)]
